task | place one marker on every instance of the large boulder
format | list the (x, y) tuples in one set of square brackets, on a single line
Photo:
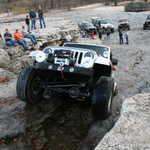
[(4, 59), (137, 6), (132, 129)]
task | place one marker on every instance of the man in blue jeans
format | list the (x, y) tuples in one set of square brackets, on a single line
[(27, 35), (127, 36), (20, 40), (33, 19), (8, 38), (120, 36), (41, 17)]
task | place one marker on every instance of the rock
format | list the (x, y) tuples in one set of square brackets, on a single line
[(19, 63), (133, 122), (7, 88), (137, 6), (4, 59)]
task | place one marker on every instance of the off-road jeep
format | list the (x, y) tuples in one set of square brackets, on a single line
[(123, 23), (74, 69), (147, 23), (104, 25)]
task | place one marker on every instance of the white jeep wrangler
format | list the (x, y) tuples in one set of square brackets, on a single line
[(80, 70)]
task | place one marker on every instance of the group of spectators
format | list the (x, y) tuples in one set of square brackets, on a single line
[(19, 37), (32, 16), (84, 34), (23, 33)]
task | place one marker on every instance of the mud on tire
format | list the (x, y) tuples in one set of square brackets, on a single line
[(25, 86), (102, 98)]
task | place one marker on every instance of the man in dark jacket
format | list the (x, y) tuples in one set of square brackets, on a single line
[(41, 17), (120, 36), (100, 34), (33, 18)]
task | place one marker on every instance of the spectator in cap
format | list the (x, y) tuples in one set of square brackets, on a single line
[(27, 35), (28, 22), (33, 19), (19, 38), (8, 38)]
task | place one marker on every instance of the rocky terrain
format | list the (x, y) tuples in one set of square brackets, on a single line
[(61, 123), (137, 6)]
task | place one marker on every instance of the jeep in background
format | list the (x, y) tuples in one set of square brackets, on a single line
[(95, 20), (87, 26), (147, 23), (104, 25), (80, 70), (123, 23)]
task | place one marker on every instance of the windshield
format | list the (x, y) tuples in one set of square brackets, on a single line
[(88, 24), (104, 21), (123, 20), (148, 17), (99, 49)]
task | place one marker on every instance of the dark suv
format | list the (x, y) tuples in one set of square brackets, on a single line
[(87, 26), (147, 23)]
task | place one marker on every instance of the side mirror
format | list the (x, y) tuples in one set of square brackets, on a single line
[(114, 61)]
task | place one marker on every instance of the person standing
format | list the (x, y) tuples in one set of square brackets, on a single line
[(33, 19), (26, 35), (20, 40), (120, 36), (8, 38), (100, 34), (28, 22), (109, 35), (68, 38), (127, 36), (41, 17)]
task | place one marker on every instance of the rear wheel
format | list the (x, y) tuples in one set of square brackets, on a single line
[(102, 98), (27, 85)]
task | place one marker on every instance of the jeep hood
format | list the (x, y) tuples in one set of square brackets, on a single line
[(102, 61), (90, 28), (123, 22)]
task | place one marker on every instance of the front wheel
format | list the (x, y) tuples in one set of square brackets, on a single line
[(102, 98), (144, 26), (28, 85), (113, 30)]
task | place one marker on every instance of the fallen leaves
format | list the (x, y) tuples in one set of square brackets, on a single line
[(4, 79), (78, 143), (15, 140)]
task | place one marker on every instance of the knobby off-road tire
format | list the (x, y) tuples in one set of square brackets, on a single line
[(102, 98), (26, 90)]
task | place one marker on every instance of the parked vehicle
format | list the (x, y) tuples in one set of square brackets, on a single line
[(147, 23), (123, 23), (87, 26)]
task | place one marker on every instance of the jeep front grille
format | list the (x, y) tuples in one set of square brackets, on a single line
[(78, 57)]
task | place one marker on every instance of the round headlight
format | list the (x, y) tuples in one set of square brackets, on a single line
[(47, 51), (89, 54), (87, 62), (106, 54), (40, 57)]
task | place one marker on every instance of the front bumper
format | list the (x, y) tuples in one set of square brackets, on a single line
[(71, 73)]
